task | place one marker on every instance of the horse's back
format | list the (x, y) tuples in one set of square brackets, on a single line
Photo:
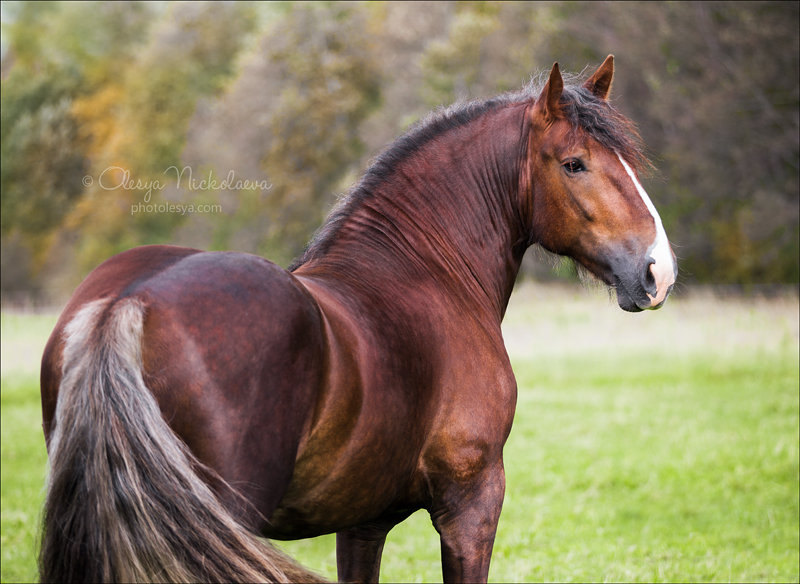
[(232, 349)]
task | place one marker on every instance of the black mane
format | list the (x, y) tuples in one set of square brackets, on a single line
[(584, 112)]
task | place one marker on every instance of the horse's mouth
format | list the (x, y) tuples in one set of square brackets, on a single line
[(625, 299), (638, 299)]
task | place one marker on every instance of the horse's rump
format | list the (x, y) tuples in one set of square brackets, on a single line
[(125, 500)]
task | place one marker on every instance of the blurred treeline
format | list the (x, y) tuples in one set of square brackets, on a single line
[(297, 97)]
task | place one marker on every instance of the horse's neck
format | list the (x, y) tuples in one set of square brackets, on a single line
[(448, 217)]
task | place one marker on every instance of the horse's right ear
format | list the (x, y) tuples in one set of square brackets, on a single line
[(548, 104), (600, 82)]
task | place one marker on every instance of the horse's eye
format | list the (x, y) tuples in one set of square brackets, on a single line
[(573, 166)]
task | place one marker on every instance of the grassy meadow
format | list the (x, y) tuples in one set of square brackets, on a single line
[(651, 447)]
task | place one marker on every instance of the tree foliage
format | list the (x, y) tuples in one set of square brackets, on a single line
[(265, 113)]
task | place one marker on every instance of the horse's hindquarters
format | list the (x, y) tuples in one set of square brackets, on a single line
[(231, 350)]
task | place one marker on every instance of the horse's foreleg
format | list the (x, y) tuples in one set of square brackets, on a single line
[(358, 552), (467, 522)]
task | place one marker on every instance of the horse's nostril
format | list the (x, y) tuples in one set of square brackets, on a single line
[(648, 280)]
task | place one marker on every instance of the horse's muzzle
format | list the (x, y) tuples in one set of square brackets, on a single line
[(644, 287)]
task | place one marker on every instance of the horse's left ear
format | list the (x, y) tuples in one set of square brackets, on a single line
[(600, 83), (547, 105)]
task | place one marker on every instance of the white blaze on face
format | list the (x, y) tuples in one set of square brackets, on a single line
[(664, 269)]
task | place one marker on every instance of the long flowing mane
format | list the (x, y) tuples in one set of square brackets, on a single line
[(583, 110)]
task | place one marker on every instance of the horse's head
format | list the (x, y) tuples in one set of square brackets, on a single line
[(586, 197)]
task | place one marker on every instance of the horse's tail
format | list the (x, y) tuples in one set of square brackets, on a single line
[(125, 502)]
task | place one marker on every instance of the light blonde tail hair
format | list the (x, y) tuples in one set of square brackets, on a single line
[(124, 501)]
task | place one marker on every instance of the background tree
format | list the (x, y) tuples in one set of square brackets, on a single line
[(297, 97), (53, 54), (138, 118)]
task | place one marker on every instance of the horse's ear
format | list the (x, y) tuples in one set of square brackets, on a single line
[(548, 105), (600, 82)]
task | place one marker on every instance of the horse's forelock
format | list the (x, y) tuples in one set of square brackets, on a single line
[(605, 124)]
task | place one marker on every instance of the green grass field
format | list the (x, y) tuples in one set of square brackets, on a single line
[(651, 447)]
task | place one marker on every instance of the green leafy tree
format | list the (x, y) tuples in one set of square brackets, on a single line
[(291, 119), (139, 119), (54, 56), (329, 85), (298, 96)]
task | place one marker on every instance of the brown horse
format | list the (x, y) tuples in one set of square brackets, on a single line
[(192, 400)]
